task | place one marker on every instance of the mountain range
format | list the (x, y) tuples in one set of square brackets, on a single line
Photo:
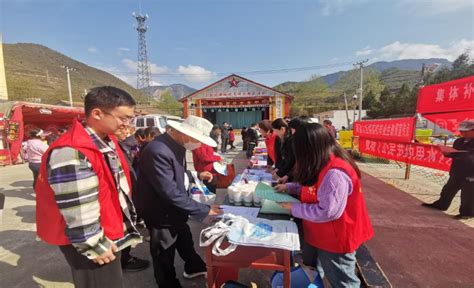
[(36, 71), (381, 66), (177, 90)]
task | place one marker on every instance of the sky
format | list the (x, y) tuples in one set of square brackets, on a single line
[(197, 42)]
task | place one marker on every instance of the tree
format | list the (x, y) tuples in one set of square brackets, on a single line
[(169, 104)]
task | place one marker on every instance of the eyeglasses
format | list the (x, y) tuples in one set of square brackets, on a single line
[(124, 120)]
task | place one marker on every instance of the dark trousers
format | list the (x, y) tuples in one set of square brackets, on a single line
[(225, 142), (231, 143), (35, 168), (250, 148), (125, 255), (163, 243), (450, 190), (87, 274)]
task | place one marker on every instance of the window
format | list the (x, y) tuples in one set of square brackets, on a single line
[(150, 122), (163, 122), (140, 122)]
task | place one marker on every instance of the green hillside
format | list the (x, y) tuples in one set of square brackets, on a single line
[(35, 71), (315, 95)]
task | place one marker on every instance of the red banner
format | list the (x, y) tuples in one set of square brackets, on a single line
[(412, 153), (450, 121), (398, 130), (452, 96)]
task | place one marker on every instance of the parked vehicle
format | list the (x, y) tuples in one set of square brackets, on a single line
[(155, 120)]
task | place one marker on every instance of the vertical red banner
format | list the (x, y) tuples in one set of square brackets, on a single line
[(451, 96)]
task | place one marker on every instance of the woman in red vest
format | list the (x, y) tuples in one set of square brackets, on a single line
[(203, 159), (265, 128), (333, 210)]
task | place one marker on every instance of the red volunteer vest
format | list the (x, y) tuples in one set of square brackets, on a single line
[(270, 143), (353, 228), (50, 224)]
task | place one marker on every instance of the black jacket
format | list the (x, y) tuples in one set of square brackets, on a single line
[(252, 136), (463, 162), (285, 157), (163, 201)]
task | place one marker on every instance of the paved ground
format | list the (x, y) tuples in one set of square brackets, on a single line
[(416, 247), (425, 184), (27, 262)]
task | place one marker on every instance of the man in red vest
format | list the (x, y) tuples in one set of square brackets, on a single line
[(83, 202)]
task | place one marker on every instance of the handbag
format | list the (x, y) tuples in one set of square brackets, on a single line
[(224, 181)]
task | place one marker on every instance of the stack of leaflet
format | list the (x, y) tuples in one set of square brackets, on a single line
[(259, 158), (267, 192), (270, 199)]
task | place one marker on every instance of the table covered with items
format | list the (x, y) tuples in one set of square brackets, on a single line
[(254, 232)]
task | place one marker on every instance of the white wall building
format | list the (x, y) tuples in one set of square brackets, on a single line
[(338, 117)]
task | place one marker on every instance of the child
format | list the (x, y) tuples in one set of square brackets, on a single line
[(231, 138)]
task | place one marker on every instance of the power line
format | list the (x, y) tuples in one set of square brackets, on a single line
[(252, 72)]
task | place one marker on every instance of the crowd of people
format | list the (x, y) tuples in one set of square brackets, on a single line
[(101, 181)]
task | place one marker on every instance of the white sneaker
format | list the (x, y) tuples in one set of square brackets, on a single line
[(194, 275)]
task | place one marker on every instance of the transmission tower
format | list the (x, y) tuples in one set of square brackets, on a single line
[(143, 69)]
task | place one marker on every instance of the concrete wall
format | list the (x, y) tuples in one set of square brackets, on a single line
[(338, 117)]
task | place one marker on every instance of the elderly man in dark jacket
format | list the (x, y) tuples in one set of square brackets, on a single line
[(164, 201), (461, 175)]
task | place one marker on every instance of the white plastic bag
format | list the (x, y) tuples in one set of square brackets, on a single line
[(252, 231), (199, 192)]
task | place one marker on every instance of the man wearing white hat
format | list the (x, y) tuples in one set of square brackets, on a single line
[(164, 202), (461, 174)]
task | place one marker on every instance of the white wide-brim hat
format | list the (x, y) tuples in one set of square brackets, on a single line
[(195, 127)]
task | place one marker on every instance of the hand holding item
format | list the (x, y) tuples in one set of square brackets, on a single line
[(447, 150), (205, 176), (286, 205), (106, 257), (283, 180), (281, 188), (215, 210)]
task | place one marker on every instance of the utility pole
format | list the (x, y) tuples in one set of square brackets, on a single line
[(67, 68), (361, 66), (347, 112)]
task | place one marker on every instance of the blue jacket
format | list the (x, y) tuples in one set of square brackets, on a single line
[(162, 199)]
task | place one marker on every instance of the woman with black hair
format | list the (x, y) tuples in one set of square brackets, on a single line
[(285, 155), (280, 129), (333, 210), (271, 140)]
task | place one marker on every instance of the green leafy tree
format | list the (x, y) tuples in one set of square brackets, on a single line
[(169, 104)]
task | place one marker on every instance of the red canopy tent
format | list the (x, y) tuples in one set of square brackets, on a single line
[(20, 117), (447, 104)]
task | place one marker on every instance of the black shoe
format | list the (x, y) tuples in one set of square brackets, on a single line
[(433, 206), (463, 217), (135, 264), (194, 274)]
